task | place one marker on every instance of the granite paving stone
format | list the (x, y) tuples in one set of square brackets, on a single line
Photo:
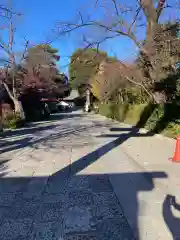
[(7, 199), (50, 212), (47, 231), (12, 229), (24, 208), (55, 201)]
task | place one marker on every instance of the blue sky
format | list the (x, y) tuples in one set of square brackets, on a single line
[(40, 17)]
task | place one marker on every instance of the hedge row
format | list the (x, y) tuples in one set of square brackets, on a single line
[(163, 118)]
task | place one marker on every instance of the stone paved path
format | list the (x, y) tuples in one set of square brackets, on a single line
[(44, 193)]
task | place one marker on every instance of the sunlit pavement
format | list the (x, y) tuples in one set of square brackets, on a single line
[(82, 176)]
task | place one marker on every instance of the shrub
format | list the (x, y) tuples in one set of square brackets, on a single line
[(158, 118), (135, 95), (156, 113), (134, 113), (164, 115), (13, 122), (172, 130), (105, 110), (129, 95)]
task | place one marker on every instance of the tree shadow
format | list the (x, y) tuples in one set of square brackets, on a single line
[(73, 205), (31, 129), (26, 137), (58, 116), (123, 129), (70, 206), (170, 115), (3, 167), (171, 109), (32, 136), (169, 86), (120, 138), (145, 115), (172, 222)]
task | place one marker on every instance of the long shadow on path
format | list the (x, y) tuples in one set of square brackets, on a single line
[(34, 134), (26, 135), (172, 221), (70, 206), (37, 126)]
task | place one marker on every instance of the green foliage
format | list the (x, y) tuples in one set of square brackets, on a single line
[(173, 129), (177, 93), (118, 111), (162, 118), (129, 95), (133, 114), (170, 86), (115, 111), (166, 54), (84, 64), (136, 95), (40, 56), (40, 67), (105, 110), (13, 122), (47, 48)]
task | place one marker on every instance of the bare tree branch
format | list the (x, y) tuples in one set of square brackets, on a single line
[(4, 47), (148, 7), (135, 18), (116, 7), (25, 51), (121, 26), (7, 10), (135, 82), (8, 49), (8, 91), (160, 7), (81, 17)]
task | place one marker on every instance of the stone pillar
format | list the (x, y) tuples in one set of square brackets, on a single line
[(88, 101)]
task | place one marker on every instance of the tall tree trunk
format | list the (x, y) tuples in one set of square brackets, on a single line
[(19, 109), (1, 119), (17, 104), (88, 101)]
